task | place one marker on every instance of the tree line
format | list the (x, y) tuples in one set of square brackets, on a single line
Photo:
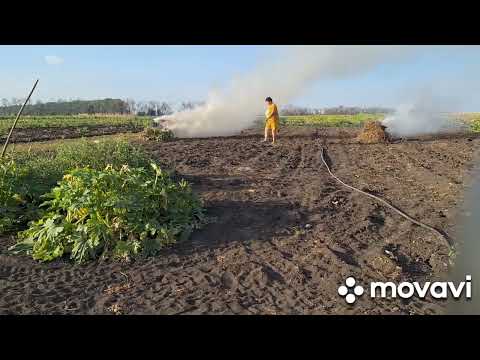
[(104, 106), (292, 110), (150, 108), (159, 108)]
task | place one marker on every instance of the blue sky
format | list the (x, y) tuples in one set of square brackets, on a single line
[(175, 73)]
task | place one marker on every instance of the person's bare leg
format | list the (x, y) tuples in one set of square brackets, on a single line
[(273, 135), (266, 135)]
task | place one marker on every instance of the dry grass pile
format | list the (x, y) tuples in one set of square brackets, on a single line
[(373, 132)]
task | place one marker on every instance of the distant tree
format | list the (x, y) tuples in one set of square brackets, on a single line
[(131, 106), (290, 110), (109, 106), (152, 108), (187, 105), (142, 108), (164, 109)]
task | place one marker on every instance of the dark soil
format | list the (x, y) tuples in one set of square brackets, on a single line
[(51, 133), (283, 234)]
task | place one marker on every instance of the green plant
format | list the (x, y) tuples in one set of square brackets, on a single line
[(120, 212), (158, 134), (25, 176), (14, 196), (452, 256), (78, 121), (475, 125), (329, 120), (297, 231)]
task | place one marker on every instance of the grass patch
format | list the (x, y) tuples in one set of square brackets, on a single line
[(470, 120), (79, 121), (474, 122), (356, 120), (330, 120), (157, 134)]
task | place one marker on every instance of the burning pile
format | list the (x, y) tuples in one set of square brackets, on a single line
[(373, 132)]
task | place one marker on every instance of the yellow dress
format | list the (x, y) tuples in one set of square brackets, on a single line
[(271, 115)]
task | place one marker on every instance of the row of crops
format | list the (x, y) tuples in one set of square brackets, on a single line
[(471, 119), (329, 120), (62, 121), (85, 121)]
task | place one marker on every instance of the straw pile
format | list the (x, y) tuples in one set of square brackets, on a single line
[(373, 132)]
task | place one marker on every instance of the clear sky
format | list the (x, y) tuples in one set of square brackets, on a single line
[(175, 73)]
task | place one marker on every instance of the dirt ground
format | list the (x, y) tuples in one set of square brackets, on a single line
[(283, 235), (44, 134)]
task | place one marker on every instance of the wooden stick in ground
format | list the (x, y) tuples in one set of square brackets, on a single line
[(16, 120)]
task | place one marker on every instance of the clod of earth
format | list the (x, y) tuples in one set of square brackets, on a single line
[(229, 280)]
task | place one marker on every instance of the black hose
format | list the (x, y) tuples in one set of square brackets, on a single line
[(443, 236)]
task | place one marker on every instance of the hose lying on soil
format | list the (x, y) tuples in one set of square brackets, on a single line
[(443, 236)]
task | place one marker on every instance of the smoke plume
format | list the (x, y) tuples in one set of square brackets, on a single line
[(427, 114), (236, 107)]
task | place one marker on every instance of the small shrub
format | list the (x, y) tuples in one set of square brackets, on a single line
[(475, 125), (25, 176), (158, 134), (14, 196), (112, 212)]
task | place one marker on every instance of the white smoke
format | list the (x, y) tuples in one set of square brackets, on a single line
[(428, 114), (235, 108)]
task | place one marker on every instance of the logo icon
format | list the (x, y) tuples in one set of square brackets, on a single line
[(350, 292), (405, 290)]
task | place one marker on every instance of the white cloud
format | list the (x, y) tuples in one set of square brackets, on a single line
[(53, 60)]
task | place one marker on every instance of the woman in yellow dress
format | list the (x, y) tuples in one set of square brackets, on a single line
[(272, 119)]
